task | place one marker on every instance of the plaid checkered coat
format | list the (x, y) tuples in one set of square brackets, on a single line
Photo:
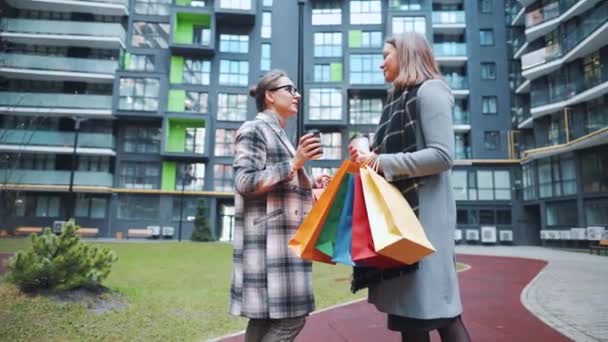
[(268, 279)]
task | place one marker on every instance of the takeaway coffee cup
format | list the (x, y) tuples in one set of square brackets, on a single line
[(315, 132)]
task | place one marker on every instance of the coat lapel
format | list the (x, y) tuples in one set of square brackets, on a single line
[(278, 131)]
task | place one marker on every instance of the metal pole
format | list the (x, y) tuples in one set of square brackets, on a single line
[(300, 117), (74, 165), (181, 209)]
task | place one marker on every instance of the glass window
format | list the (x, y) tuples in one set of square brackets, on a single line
[(197, 71), (267, 3), (562, 214), (93, 163), (266, 25), (140, 63), (325, 104), (234, 72), (503, 217), (195, 102), (529, 181), (409, 24), (462, 216), (371, 39), (139, 94), (137, 175), (201, 35), (365, 12), (459, 184), (568, 175), (225, 142), (265, 58), (406, 5), (326, 13), (47, 206), (91, 207), (189, 208), (236, 4), (491, 140), (486, 216), (27, 161), (365, 111), (223, 177), (322, 73), (235, 43), (133, 207), (231, 107), (502, 185), (596, 213), (486, 37), (488, 71), (485, 183), (489, 105), (190, 176), (328, 44), (595, 170), (153, 7), (545, 179), (150, 35), (486, 6), (195, 140), (319, 171), (139, 139), (332, 145), (364, 69)]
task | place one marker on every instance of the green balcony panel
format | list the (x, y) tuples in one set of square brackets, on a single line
[(354, 38), (56, 177), (176, 138), (126, 60), (168, 177), (177, 98), (55, 138), (183, 2), (184, 26), (335, 70), (177, 70)]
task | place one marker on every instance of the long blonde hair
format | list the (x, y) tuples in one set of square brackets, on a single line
[(416, 60)]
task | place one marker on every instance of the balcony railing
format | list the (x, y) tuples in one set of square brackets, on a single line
[(50, 100), (56, 177), (448, 17), (450, 49), (460, 117), (595, 120), (542, 14), (457, 82), (512, 11), (462, 152), (55, 138), (562, 91), (60, 27), (55, 63), (541, 56)]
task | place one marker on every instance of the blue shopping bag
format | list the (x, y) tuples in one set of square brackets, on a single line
[(344, 235)]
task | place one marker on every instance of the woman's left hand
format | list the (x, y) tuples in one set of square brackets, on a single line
[(321, 181)]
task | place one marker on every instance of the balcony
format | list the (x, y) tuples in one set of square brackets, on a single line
[(458, 84), (37, 67), (461, 120), (462, 152), (63, 33), (450, 54), (56, 142), (185, 138), (98, 106), (547, 18), (193, 33), (542, 14), (241, 12), (99, 7), (521, 116), (449, 21), (54, 178)]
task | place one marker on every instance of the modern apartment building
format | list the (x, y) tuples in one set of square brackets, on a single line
[(154, 91)]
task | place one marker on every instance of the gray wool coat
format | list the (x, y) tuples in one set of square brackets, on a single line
[(268, 279), (431, 291)]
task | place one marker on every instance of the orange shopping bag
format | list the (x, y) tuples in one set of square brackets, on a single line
[(304, 240)]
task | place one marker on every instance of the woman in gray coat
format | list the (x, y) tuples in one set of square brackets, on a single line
[(270, 284), (413, 148)]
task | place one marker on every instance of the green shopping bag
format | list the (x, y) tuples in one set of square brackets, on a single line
[(327, 239)]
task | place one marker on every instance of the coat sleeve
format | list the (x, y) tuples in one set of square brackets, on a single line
[(252, 176), (436, 102)]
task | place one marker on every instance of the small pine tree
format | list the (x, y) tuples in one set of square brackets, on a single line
[(60, 263), (202, 231)]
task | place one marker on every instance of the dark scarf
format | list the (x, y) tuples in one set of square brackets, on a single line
[(396, 133)]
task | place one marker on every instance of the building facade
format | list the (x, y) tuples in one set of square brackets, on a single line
[(154, 91)]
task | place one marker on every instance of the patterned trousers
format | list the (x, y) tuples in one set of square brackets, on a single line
[(274, 330)]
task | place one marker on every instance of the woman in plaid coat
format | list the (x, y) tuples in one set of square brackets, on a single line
[(270, 285)]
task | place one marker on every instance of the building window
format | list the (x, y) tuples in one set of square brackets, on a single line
[(489, 105), (47, 206), (365, 12), (91, 207), (201, 35), (487, 185), (406, 5), (459, 184), (266, 25), (488, 71), (364, 69), (27, 161), (267, 3), (562, 214), (409, 24), (365, 111), (328, 44), (190, 176), (595, 170), (140, 63), (225, 142), (486, 37), (141, 139), (136, 175), (319, 171), (223, 177), (265, 58), (195, 102), (332, 145), (326, 13), (150, 35), (371, 39), (556, 176), (529, 181), (132, 207), (93, 163), (325, 104), (234, 43), (234, 72), (139, 94), (231, 107), (486, 6), (491, 140), (322, 73), (596, 213), (153, 7), (236, 4), (186, 207), (195, 140), (197, 71)]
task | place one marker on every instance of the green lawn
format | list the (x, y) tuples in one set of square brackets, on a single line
[(175, 292)]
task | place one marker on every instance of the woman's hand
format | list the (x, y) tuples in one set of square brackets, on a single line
[(321, 182), (308, 147), (367, 158)]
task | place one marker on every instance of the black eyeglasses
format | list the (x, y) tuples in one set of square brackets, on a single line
[(291, 89)]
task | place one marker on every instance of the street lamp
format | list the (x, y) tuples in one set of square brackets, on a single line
[(186, 177), (300, 117), (77, 121)]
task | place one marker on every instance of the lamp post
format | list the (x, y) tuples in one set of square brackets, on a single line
[(300, 117), (77, 122), (186, 177)]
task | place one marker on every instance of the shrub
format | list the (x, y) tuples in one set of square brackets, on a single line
[(60, 262), (202, 231)]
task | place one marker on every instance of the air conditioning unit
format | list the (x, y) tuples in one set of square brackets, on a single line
[(488, 234), (168, 231), (154, 230), (472, 235), (565, 235), (544, 235), (578, 233), (595, 233), (505, 235), (58, 226), (457, 235), (554, 235)]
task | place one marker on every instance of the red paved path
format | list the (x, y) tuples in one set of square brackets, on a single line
[(492, 309)]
